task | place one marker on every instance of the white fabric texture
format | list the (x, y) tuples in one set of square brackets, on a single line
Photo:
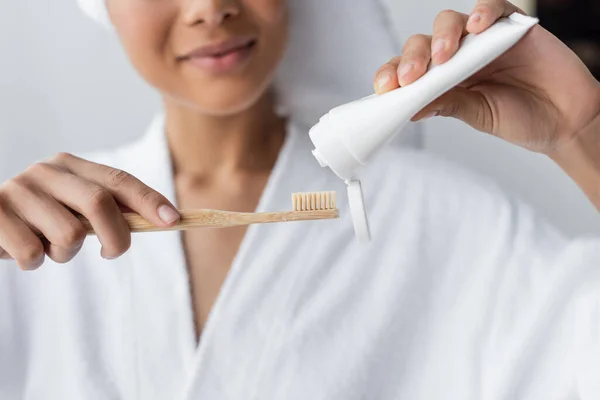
[(463, 294), (335, 48)]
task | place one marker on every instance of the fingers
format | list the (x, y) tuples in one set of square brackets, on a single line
[(37, 210), (61, 255), (126, 189), (18, 240), (405, 69), (87, 198), (486, 12), (416, 56), (386, 78), (449, 27), (466, 105), (64, 232)]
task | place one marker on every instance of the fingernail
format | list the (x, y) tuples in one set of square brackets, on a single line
[(405, 69), (383, 79), (438, 46), (167, 214), (475, 18)]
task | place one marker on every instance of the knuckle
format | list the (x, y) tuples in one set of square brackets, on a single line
[(147, 195), (394, 61), (99, 200), (41, 169), (73, 236), (415, 55), (447, 13), (416, 40), (417, 46), (385, 68), (17, 186), (117, 177), (411, 39), (61, 157), (21, 181), (489, 6), (480, 7), (34, 169)]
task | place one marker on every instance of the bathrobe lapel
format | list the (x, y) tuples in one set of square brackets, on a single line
[(249, 312), (161, 318)]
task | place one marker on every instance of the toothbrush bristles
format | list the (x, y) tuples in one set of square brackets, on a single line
[(313, 201)]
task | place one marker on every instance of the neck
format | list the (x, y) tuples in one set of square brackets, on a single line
[(203, 146)]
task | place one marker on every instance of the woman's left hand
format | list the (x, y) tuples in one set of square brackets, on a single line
[(538, 95)]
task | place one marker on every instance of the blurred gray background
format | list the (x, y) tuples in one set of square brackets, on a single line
[(65, 85)]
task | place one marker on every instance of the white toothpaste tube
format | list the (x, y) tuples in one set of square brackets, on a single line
[(349, 136)]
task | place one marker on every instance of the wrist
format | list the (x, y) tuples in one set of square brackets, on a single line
[(580, 159)]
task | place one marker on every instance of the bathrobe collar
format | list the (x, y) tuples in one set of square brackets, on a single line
[(159, 266)]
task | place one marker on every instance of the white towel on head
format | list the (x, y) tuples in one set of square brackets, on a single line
[(334, 51), (95, 9), (335, 48)]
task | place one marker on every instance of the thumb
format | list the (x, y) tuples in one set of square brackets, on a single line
[(469, 106)]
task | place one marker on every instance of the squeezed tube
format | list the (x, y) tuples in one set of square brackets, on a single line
[(349, 136)]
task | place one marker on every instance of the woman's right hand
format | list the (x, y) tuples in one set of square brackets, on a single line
[(43, 200)]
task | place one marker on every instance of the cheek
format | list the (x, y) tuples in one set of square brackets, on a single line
[(143, 32), (272, 18), (271, 12)]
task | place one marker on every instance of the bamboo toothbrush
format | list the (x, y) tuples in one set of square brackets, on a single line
[(306, 207)]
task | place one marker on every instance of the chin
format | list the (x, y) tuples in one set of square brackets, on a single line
[(226, 106), (226, 102)]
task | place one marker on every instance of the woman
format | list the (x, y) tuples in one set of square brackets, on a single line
[(463, 295)]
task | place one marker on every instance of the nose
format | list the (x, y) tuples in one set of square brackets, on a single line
[(210, 12)]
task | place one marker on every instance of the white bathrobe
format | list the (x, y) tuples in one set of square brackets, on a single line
[(463, 294)]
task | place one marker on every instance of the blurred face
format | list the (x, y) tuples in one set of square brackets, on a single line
[(216, 56)]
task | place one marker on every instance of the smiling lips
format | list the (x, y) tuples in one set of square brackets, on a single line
[(222, 58)]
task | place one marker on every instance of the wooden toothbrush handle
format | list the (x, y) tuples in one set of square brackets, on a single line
[(191, 219)]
